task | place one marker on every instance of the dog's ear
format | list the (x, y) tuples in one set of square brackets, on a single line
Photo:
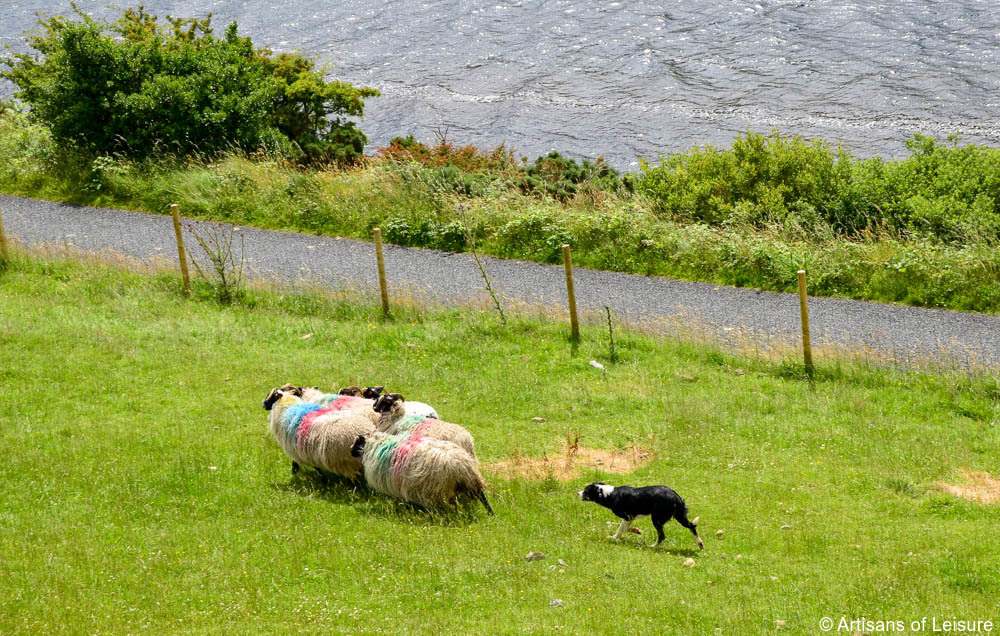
[(359, 446), (271, 398)]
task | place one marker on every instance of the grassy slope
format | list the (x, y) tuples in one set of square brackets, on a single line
[(142, 492)]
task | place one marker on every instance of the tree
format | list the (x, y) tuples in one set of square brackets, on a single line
[(136, 87)]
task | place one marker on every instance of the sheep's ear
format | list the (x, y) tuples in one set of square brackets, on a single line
[(271, 398)]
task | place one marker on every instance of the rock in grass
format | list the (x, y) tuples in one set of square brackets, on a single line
[(786, 527), (689, 562), (538, 420), (556, 602), (718, 533), (535, 556)]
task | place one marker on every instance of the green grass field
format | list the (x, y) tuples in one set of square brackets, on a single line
[(142, 493)]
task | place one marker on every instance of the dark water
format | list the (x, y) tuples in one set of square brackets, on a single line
[(633, 79)]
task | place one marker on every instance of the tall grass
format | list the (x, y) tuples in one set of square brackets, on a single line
[(919, 231)]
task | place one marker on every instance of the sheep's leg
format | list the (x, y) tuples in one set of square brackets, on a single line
[(295, 467), (622, 529)]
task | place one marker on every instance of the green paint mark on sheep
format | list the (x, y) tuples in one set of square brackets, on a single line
[(382, 457), (408, 422)]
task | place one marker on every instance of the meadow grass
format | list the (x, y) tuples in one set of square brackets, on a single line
[(142, 492)]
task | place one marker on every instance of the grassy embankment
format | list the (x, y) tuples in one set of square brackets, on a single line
[(143, 494), (921, 230)]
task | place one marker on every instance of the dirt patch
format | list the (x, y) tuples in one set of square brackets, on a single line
[(980, 487), (572, 462)]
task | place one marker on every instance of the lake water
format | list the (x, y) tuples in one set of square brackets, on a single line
[(634, 79)]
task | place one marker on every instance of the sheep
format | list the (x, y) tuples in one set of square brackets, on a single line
[(396, 419), (412, 407), (317, 436), (355, 397), (424, 471)]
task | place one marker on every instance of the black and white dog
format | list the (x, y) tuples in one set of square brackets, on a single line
[(658, 502)]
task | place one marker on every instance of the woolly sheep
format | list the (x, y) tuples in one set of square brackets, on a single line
[(317, 436), (354, 397), (424, 471), (395, 419)]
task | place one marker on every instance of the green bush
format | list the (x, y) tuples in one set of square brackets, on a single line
[(562, 177), (135, 87)]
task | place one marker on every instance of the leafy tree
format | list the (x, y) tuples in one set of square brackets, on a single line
[(136, 87)]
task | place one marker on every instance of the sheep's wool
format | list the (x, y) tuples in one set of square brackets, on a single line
[(318, 436), (427, 427), (426, 471)]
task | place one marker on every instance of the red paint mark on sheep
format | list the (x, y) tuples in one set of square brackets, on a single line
[(307, 423), (348, 402), (401, 457)]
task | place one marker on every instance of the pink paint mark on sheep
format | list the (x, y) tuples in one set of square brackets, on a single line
[(421, 428), (307, 423), (347, 402), (403, 454)]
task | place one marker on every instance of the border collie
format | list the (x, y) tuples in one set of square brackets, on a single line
[(659, 502)]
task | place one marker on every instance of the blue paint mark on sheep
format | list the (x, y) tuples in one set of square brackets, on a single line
[(292, 418)]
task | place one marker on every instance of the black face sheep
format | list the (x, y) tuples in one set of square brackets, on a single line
[(428, 472), (658, 502), (317, 436), (355, 397), (397, 420)]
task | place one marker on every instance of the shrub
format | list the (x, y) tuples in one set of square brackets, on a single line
[(135, 87)]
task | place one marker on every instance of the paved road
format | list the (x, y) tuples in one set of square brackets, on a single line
[(742, 317)]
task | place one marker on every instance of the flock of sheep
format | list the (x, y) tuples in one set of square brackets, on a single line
[(401, 447)]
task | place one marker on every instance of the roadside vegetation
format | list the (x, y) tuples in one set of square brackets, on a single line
[(143, 492), (919, 230)]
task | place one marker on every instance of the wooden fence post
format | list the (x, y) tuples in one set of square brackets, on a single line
[(382, 283), (804, 312), (571, 293), (3, 240), (180, 248)]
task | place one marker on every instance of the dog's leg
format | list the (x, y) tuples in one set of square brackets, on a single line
[(622, 529), (658, 524), (692, 526)]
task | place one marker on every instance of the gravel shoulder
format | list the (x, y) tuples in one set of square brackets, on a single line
[(739, 317)]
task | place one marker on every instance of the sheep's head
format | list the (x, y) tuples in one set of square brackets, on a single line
[(350, 390), (372, 392), (358, 449), (273, 397), (384, 402)]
